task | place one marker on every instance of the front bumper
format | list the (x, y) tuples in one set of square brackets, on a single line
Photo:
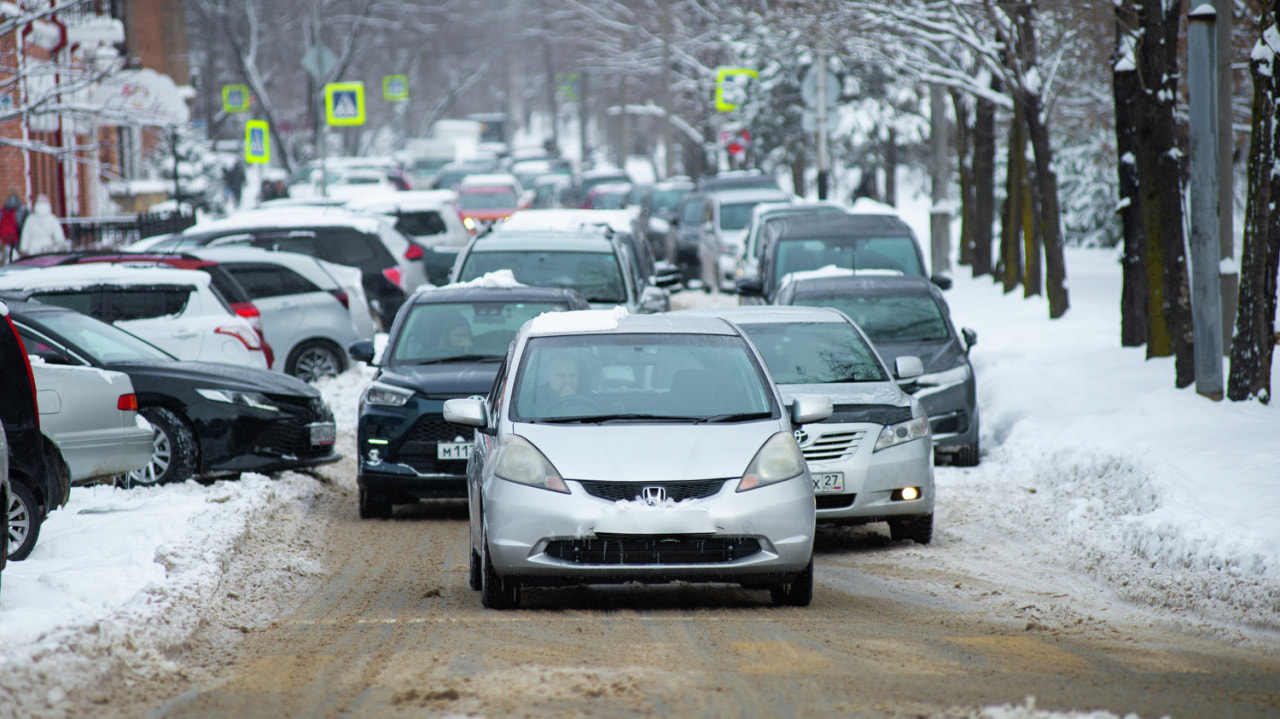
[(234, 439), (398, 457), (872, 480), (953, 415), (541, 537)]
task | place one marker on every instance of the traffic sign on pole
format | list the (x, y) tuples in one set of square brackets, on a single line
[(235, 98), (731, 87), (809, 87), (395, 87), (257, 142), (344, 103), (319, 61)]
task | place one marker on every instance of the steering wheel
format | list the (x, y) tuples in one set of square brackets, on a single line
[(574, 404)]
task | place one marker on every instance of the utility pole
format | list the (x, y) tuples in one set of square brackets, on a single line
[(1206, 294), (824, 159), (940, 214)]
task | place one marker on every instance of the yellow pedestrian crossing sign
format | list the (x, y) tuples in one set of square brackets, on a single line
[(395, 87), (235, 98), (344, 103), (257, 142)]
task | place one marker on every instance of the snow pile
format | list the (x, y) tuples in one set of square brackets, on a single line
[(497, 278)]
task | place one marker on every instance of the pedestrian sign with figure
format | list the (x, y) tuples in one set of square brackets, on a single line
[(257, 142), (344, 103), (395, 87), (235, 98)]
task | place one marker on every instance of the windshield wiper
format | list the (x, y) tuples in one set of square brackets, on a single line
[(616, 417), (458, 358), (739, 417)]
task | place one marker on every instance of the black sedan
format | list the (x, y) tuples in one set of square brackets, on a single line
[(209, 419), (34, 489), (445, 343)]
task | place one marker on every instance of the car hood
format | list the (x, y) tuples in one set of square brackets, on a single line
[(936, 356), (214, 375), (876, 393), (649, 452), (454, 378)]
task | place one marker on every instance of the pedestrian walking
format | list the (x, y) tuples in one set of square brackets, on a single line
[(42, 232), (233, 178), (12, 216)]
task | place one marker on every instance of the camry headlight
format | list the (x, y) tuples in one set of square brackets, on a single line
[(244, 399), (894, 434), (779, 459), (387, 395), (516, 460), (955, 375)]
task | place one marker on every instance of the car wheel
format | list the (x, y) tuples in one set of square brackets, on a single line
[(173, 450), (495, 593), (966, 456), (24, 521), (916, 529), (473, 577), (374, 506), (798, 593), (314, 359)]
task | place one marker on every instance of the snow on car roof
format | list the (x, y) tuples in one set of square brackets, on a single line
[(568, 219), (74, 276), (408, 200), (577, 321), (285, 217), (497, 278)]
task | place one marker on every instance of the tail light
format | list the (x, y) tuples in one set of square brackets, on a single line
[(250, 312), (127, 403), (341, 296), (393, 274), (414, 252), (249, 337)]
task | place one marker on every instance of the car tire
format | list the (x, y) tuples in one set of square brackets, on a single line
[(374, 506), (473, 576), (314, 359), (916, 529), (495, 592), (25, 519), (173, 451), (966, 456), (798, 592)]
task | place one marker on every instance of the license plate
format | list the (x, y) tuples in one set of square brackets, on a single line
[(323, 433), (828, 482), (453, 450)]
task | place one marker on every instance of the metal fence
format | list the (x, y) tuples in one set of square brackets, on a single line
[(93, 233)]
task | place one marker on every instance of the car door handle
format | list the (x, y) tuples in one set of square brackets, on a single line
[(183, 333), (288, 305)]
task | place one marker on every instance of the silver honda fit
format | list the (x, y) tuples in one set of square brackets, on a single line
[(650, 448)]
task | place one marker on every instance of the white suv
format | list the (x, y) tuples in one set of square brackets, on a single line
[(306, 313), (175, 310)]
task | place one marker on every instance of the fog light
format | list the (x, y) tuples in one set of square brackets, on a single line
[(908, 493)]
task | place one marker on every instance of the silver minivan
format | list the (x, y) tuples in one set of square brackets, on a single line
[(649, 448)]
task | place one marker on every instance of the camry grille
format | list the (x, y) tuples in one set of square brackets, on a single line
[(653, 550), (831, 445), (676, 491)]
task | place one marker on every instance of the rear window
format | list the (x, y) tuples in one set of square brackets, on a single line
[(892, 254), (352, 247), (889, 319), (501, 198), (419, 224), (122, 304), (270, 280), (597, 275), (438, 331)]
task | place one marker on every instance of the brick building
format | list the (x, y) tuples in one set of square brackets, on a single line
[(54, 140)]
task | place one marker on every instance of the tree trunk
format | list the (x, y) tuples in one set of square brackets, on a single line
[(1253, 346), (1011, 232), (1048, 214), (984, 180), (1127, 86), (891, 169), (797, 177), (964, 143), (1160, 189)]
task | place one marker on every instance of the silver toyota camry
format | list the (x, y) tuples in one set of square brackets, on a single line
[(648, 448)]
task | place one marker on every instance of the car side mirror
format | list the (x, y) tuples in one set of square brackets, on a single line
[(805, 410), (908, 367), (749, 286), (653, 299), (970, 338), (942, 281), (467, 412), (361, 351)]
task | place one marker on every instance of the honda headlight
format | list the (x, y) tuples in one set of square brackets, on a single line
[(244, 399), (516, 460), (778, 459), (895, 434), (387, 395)]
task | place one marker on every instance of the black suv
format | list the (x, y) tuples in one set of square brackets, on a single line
[(34, 490), (446, 342)]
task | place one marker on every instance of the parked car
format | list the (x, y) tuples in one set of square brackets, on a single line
[(223, 284), (858, 242), (872, 459), (447, 342), (684, 239), (724, 228), (176, 310), (620, 448), (34, 490), (598, 176), (306, 313), (427, 217), (765, 219), (657, 209), (91, 416), (910, 316), (598, 266), (391, 264), (207, 419), (752, 179), (484, 199)]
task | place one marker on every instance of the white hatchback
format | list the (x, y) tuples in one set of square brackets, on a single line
[(175, 310)]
